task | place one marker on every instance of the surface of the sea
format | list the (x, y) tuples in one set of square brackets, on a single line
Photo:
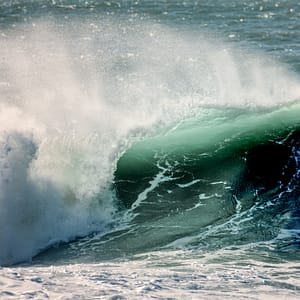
[(149, 149)]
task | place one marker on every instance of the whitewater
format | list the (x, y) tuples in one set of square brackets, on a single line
[(149, 149)]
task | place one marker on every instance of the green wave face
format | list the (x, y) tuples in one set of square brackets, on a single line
[(210, 177), (211, 148)]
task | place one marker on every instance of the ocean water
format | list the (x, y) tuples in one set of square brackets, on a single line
[(149, 149)]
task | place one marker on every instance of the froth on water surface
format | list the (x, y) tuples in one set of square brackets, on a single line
[(169, 274)]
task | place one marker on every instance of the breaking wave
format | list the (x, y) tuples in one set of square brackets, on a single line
[(75, 98)]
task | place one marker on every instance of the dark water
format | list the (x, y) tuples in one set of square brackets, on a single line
[(153, 146)]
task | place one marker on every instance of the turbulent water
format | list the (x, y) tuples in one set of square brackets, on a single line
[(149, 149)]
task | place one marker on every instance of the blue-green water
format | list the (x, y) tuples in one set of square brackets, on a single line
[(149, 149)]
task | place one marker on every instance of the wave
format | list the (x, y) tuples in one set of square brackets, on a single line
[(75, 97)]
